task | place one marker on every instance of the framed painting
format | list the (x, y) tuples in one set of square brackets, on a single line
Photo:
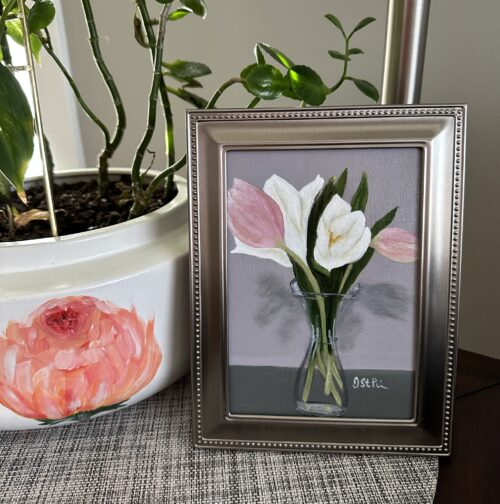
[(325, 267)]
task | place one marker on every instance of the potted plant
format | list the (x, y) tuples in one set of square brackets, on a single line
[(98, 318)]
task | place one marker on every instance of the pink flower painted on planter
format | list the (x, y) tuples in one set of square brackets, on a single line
[(397, 245), (75, 355), (254, 217)]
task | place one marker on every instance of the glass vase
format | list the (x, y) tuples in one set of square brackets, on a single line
[(320, 387)]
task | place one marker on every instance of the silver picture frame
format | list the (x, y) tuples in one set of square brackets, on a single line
[(439, 131)]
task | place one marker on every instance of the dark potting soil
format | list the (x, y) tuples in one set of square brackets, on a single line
[(79, 207)]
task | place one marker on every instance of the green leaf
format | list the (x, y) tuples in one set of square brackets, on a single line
[(360, 198), (179, 14), (307, 85), (357, 268), (338, 55), (187, 69), (5, 191), (364, 22), (383, 222), (41, 15), (355, 50), (16, 130), (367, 88), (189, 97), (263, 81), (336, 21), (360, 265), (332, 187), (277, 55), (191, 83), (259, 57), (15, 32), (196, 6), (247, 70), (290, 94)]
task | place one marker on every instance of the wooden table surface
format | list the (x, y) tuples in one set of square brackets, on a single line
[(472, 474)]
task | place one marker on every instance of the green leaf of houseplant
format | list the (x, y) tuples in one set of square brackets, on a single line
[(338, 55), (277, 55), (196, 6), (189, 97), (307, 85), (360, 198), (367, 88), (41, 15), (259, 57), (264, 81), (14, 31), (364, 22), (187, 69), (355, 50), (336, 21), (179, 14), (4, 189), (16, 131)]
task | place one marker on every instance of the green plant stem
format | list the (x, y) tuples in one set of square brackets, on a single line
[(10, 219), (47, 44), (137, 190), (218, 93), (121, 124), (167, 111), (5, 15), (140, 203), (344, 71), (322, 355), (4, 44), (253, 103)]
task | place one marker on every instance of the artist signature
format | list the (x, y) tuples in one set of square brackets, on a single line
[(368, 383)]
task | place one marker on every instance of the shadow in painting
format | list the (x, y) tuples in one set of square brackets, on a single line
[(277, 306)]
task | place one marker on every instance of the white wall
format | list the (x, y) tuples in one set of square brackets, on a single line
[(461, 66)]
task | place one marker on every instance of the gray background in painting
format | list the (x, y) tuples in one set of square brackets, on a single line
[(266, 325)]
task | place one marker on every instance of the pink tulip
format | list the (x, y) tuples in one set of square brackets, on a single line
[(254, 217), (75, 354), (397, 245)]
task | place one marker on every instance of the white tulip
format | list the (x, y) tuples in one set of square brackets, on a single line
[(296, 207), (343, 237)]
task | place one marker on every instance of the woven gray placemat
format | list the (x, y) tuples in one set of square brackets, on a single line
[(143, 454)]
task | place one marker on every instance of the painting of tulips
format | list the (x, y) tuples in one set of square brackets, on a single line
[(75, 357), (322, 281)]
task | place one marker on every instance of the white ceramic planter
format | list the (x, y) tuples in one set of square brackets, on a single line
[(93, 321)]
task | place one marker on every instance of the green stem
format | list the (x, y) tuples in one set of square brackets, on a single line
[(344, 71), (4, 44), (137, 190), (121, 124), (138, 206), (10, 219), (344, 278), (167, 110), (218, 93), (47, 44), (316, 289), (331, 368), (253, 103), (5, 15)]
